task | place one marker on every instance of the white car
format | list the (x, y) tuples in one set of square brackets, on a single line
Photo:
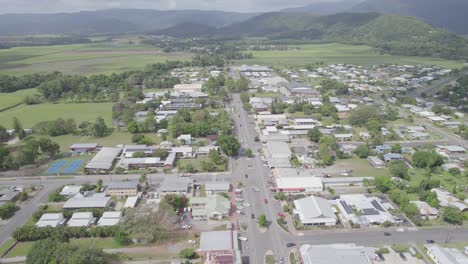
[(239, 199), (246, 204), (243, 238), (187, 227), (240, 207), (191, 241)]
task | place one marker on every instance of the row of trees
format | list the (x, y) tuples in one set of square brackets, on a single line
[(29, 153)]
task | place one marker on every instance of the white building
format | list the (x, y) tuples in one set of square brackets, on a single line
[(336, 254), (51, 219), (315, 211), (426, 211), (279, 150), (188, 88), (70, 190), (306, 185), (81, 219), (447, 199), (364, 210), (110, 218)]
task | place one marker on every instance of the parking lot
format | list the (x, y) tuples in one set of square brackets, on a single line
[(394, 258)]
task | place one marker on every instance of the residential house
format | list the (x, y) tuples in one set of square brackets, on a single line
[(426, 211), (186, 139), (70, 190), (210, 207), (376, 162), (344, 137), (364, 136), (392, 156), (445, 198)]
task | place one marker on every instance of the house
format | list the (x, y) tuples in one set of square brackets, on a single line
[(103, 161), (442, 255), (376, 162), (80, 202), (9, 195), (206, 150), (183, 152), (445, 198), (220, 247), (448, 166), (451, 124), (336, 254), (130, 150), (419, 135), (70, 190), (210, 207), (306, 185), (451, 149), (314, 211), (436, 119), (347, 148), (371, 210), (179, 186), (392, 156), (122, 188), (382, 148), (425, 210), (81, 219), (110, 218), (51, 219), (83, 148), (306, 121), (414, 129), (212, 188), (185, 139), (364, 135), (344, 137)]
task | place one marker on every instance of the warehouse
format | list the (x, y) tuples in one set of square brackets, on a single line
[(306, 185)]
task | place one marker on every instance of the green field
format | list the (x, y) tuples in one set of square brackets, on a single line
[(82, 58), (360, 167), (338, 53), (29, 115), (10, 99)]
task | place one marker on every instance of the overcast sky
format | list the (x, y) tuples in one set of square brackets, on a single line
[(54, 6)]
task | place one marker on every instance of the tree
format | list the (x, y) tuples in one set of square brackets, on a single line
[(8, 210), (262, 220), (248, 153), (48, 148), (188, 253), (23, 196), (427, 159), (176, 201), (314, 134), (411, 211), (398, 169), (229, 145), (453, 216), (362, 151), (324, 155), (17, 126), (280, 196), (4, 136), (99, 128), (396, 148), (382, 183), (132, 127), (361, 115)]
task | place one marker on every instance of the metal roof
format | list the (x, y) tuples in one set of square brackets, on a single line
[(104, 159), (216, 241)]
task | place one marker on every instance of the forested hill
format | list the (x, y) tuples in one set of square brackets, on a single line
[(392, 34), (115, 21), (449, 14)]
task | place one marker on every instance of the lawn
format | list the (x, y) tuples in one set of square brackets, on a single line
[(29, 115), (447, 180), (338, 53), (5, 246), (360, 167), (83, 59), (10, 99), (196, 163), (270, 259), (20, 250)]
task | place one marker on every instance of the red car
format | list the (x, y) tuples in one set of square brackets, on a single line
[(281, 215), (265, 200)]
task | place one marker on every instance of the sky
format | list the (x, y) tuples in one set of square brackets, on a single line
[(54, 6)]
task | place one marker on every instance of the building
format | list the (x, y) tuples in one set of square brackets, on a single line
[(183, 152), (344, 137), (336, 254), (447, 199), (376, 162), (103, 161), (426, 211), (442, 255), (140, 163), (132, 201), (70, 190), (83, 148), (80, 202), (314, 211), (364, 136), (306, 185), (110, 218), (212, 188), (51, 219), (371, 210), (205, 150), (81, 219), (9, 195), (188, 88), (122, 188), (451, 149), (220, 247), (130, 150), (210, 207), (344, 181), (186, 139), (179, 186), (392, 156), (279, 150)]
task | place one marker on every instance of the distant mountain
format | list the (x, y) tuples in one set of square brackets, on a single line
[(114, 21), (449, 14), (393, 34), (325, 8), (187, 30)]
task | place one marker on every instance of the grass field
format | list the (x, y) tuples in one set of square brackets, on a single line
[(360, 167), (29, 115), (6, 245), (10, 99), (338, 53), (82, 58)]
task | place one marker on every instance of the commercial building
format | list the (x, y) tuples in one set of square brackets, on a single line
[(364, 210), (314, 211), (306, 185), (210, 207), (345, 181), (336, 254), (81, 219), (122, 188), (220, 247), (51, 219), (179, 186), (279, 150), (110, 218), (84, 148), (103, 161), (212, 188)]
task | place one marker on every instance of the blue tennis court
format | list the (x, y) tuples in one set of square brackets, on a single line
[(55, 168), (73, 166)]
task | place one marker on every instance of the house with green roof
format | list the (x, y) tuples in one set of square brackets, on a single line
[(213, 207)]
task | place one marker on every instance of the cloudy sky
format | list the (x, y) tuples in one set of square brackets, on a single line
[(53, 6)]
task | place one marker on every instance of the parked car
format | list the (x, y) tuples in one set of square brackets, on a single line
[(243, 239), (252, 216), (387, 234), (290, 244), (281, 215), (187, 227), (430, 241), (265, 200), (191, 241), (402, 256), (381, 257)]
